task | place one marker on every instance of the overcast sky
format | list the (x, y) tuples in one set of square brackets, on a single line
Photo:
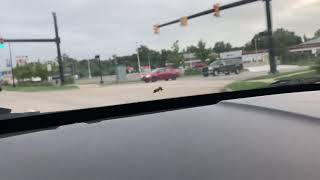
[(89, 27)]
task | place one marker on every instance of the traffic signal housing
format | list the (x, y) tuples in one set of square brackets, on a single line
[(1, 40), (156, 29), (184, 21), (2, 43), (216, 9)]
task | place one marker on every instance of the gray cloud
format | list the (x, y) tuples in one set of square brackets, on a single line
[(110, 27)]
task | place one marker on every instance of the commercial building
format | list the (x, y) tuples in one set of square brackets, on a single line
[(310, 48), (249, 58)]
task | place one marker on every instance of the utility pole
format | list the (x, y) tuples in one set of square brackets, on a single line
[(272, 59), (97, 57), (89, 69), (255, 44), (58, 41), (138, 56), (11, 63)]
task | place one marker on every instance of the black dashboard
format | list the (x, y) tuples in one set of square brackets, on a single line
[(223, 141)]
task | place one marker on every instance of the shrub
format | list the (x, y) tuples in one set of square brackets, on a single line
[(69, 80), (189, 72), (317, 66)]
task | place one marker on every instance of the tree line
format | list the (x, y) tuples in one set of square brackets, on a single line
[(159, 58)]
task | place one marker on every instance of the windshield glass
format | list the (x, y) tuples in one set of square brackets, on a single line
[(92, 53), (216, 63), (156, 70)]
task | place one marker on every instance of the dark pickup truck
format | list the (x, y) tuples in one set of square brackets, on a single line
[(225, 66)]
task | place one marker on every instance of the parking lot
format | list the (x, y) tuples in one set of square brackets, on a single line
[(93, 95)]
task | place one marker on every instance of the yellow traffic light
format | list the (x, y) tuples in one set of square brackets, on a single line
[(216, 9), (156, 29), (184, 21)]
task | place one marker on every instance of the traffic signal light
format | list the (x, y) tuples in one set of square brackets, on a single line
[(216, 9), (156, 29), (184, 21), (2, 43)]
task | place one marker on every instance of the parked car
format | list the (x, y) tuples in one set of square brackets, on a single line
[(161, 74), (200, 65), (225, 66)]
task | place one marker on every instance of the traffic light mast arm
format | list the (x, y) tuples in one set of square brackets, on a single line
[(29, 40), (224, 7)]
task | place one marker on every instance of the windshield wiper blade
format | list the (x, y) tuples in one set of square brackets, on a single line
[(289, 82)]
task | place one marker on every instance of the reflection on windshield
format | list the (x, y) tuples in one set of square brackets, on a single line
[(101, 63), (155, 70)]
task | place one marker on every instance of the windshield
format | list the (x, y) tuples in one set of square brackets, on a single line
[(216, 63), (156, 70), (93, 53)]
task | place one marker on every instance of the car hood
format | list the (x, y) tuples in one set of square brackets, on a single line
[(305, 103), (231, 140)]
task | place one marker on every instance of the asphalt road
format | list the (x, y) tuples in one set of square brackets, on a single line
[(92, 95)]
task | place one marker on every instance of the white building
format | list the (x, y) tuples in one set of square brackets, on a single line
[(248, 57), (253, 57), (311, 47), (190, 60)]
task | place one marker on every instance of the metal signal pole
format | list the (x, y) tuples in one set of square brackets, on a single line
[(273, 65), (57, 41), (138, 57), (272, 59)]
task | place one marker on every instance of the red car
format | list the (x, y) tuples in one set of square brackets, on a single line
[(161, 74)]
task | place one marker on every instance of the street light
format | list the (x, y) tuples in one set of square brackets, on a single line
[(138, 57), (255, 44), (89, 69), (13, 79)]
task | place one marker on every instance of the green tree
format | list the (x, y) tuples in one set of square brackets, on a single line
[(164, 56), (221, 46), (23, 72), (191, 49), (175, 57), (201, 51), (40, 70), (282, 40), (69, 64)]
